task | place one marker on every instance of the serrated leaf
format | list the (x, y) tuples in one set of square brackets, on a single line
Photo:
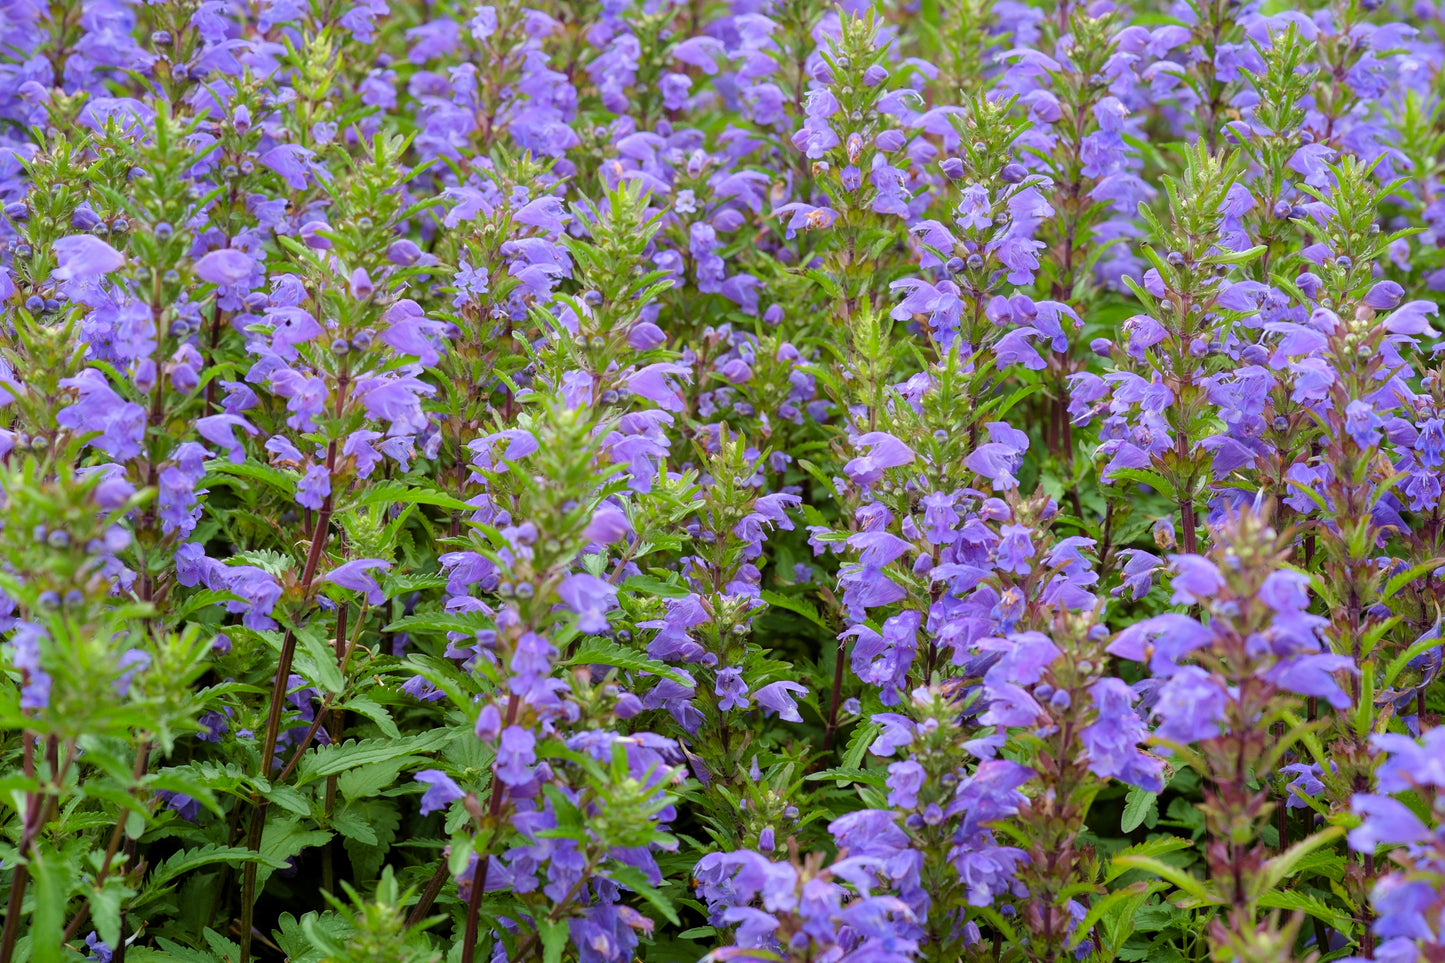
[(554, 939), (1118, 900), (384, 820), (872, 777), (648, 585), (1142, 476), (1399, 581), (339, 757), (47, 922), (1279, 868), (632, 878), (316, 661), (193, 859), (105, 906), (439, 622), (1181, 879), (595, 651), (1137, 807), (273, 478), (392, 492), (1293, 899), (268, 561), (797, 605), (376, 712), (282, 839), (858, 742), (288, 798), (348, 824), (365, 782)]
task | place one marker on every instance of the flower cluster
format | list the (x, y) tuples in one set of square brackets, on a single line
[(604, 480)]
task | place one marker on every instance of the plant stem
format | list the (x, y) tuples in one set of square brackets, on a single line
[(319, 536), (479, 881)]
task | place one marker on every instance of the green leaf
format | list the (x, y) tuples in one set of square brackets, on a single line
[(1284, 866), (282, 839), (1293, 899), (871, 777), (391, 492), (376, 712), (632, 878), (288, 798), (1143, 476), (1134, 893), (440, 622), (352, 826), (862, 737), (596, 651), (797, 605), (271, 562), (316, 661), (192, 859), (339, 757), (365, 782), (252, 471), (384, 820), (1398, 582), (105, 906), (554, 939), (648, 585), (47, 924), (1138, 806), (1181, 879)]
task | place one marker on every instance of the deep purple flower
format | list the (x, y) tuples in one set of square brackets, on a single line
[(731, 690), (355, 575), (226, 266), (777, 697), (1112, 740), (441, 790), (589, 597), (85, 256), (1191, 706), (516, 754)]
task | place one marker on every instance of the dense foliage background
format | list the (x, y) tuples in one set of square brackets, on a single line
[(760, 480)]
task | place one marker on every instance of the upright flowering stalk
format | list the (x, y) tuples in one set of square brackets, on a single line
[(850, 134), (1167, 353), (1403, 820), (1218, 688), (1084, 110), (565, 796), (88, 674), (803, 909)]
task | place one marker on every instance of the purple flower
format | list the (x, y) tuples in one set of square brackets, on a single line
[(1112, 740), (777, 697), (226, 266), (221, 430), (1195, 578), (905, 779), (885, 452), (1388, 822), (516, 754), (1191, 705), (1015, 548), (314, 487), (654, 383), (609, 524), (85, 256), (1362, 424), (119, 425), (355, 575), (441, 791), (731, 690), (589, 597)]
